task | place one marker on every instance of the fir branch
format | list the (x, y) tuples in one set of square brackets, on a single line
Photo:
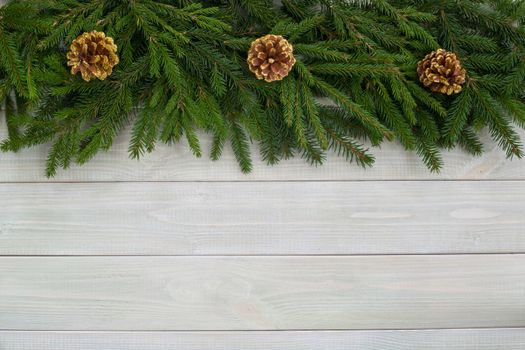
[(183, 69)]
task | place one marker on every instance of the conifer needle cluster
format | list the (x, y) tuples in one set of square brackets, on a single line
[(183, 70)]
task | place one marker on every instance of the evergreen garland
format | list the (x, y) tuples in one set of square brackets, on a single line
[(183, 69)]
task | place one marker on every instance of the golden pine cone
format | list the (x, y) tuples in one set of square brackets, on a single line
[(93, 55), (441, 71), (271, 58)]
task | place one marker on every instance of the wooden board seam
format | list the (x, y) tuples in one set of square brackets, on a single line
[(367, 330)]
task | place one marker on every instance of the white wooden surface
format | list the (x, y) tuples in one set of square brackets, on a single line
[(463, 339), (179, 253), (262, 293), (177, 163), (231, 218)]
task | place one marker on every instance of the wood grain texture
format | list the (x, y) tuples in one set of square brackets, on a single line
[(262, 218), (262, 293), (146, 303), (465, 339), (177, 163)]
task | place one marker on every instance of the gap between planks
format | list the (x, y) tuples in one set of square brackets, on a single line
[(51, 181), (248, 255), (262, 331)]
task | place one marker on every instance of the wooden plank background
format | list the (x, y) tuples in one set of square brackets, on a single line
[(262, 293), (173, 252), (177, 163), (462, 339), (262, 218)]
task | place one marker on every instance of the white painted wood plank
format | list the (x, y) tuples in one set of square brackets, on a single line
[(459, 339), (262, 218), (178, 164), (262, 293)]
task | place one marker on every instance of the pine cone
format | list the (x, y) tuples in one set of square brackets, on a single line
[(271, 58), (93, 55), (441, 71)]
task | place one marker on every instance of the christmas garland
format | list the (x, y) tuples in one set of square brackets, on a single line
[(298, 77)]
